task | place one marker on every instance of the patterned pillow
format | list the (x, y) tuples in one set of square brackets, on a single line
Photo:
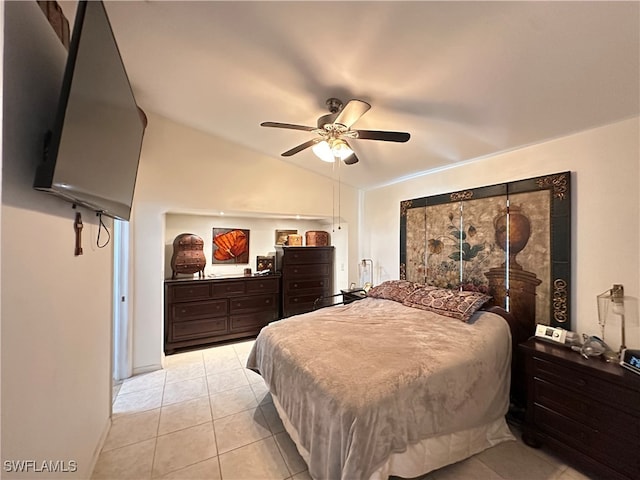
[(396, 290), (451, 303)]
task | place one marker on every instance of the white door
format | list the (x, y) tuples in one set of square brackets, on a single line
[(122, 345)]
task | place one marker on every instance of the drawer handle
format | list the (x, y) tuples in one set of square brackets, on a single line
[(267, 301), (184, 310), (261, 285), (295, 285), (295, 300), (295, 270)]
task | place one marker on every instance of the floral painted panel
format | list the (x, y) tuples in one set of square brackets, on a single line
[(461, 243), (416, 245), (468, 240), (535, 256)]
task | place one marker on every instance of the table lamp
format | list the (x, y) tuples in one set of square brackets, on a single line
[(611, 304)]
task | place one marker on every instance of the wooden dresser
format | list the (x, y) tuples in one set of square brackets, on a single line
[(307, 274), (585, 410), (201, 312)]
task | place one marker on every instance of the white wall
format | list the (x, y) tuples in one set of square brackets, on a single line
[(605, 166), (184, 171), (55, 307), (261, 237)]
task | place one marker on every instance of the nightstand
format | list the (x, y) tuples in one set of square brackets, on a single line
[(585, 409), (352, 294)]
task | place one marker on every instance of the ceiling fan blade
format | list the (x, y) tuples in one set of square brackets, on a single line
[(301, 147), (287, 125), (383, 135), (351, 159), (351, 112)]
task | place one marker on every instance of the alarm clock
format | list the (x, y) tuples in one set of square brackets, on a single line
[(630, 359)]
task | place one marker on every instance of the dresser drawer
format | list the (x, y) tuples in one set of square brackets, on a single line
[(255, 302), (267, 285), (587, 411), (319, 270), (192, 310), (315, 284), (190, 291), (251, 321), (307, 299), (309, 255), (223, 289), (198, 328), (583, 383)]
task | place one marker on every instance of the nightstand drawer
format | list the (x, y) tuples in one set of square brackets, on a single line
[(603, 447), (586, 411), (584, 384)]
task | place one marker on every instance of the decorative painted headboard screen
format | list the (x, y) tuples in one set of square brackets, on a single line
[(511, 240)]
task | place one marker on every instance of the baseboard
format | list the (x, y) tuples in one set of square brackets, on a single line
[(146, 369)]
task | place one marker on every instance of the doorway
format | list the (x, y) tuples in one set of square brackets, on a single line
[(122, 344)]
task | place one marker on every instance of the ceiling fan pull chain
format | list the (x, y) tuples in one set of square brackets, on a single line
[(333, 198), (339, 191)]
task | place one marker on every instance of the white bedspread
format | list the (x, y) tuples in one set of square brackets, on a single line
[(362, 381)]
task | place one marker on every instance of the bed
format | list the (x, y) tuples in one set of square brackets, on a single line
[(389, 385)]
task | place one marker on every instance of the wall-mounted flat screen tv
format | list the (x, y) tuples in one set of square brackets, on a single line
[(91, 158)]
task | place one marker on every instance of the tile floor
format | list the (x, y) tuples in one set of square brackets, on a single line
[(207, 417)]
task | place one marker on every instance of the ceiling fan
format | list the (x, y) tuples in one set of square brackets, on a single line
[(334, 129)]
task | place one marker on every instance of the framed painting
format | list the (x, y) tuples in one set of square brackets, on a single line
[(510, 240), (281, 235), (230, 245)]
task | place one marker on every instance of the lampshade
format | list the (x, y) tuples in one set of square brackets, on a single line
[(611, 304), (366, 273), (329, 150)]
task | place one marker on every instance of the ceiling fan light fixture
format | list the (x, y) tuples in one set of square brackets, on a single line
[(332, 149), (340, 149), (323, 151)]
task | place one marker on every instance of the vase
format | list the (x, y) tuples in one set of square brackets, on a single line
[(519, 231)]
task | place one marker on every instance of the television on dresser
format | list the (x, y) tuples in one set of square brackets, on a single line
[(93, 149)]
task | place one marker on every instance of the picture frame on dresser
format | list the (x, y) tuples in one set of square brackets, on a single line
[(281, 236)]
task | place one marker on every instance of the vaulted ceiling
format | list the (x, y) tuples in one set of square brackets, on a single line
[(466, 79)]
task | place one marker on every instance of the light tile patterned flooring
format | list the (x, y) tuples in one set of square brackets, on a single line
[(205, 416)]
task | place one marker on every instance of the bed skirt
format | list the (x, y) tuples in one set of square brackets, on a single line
[(429, 454)]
